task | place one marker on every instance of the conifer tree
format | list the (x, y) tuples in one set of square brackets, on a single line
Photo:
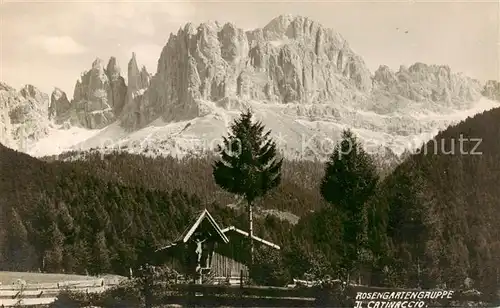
[(248, 165), (17, 240), (54, 255), (350, 180), (100, 254)]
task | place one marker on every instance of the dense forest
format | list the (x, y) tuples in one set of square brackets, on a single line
[(298, 193), (97, 214), (432, 221), (440, 208)]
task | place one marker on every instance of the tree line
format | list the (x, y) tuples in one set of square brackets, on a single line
[(430, 222)]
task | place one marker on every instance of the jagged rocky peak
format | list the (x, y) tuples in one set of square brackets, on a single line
[(25, 104), (423, 70), (137, 80), (112, 69), (133, 68), (137, 110), (303, 28), (492, 90), (384, 75), (280, 24), (284, 62), (117, 85), (145, 76), (93, 84), (99, 96), (234, 43), (23, 115), (59, 105), (97, 64), (317, 44), (422, 82), (291, 60), (57, 94), (189, 29), (34, 100), (323, 41), (5, 87), (30, 91)]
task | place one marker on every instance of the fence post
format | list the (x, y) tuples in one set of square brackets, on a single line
[(241, 279)]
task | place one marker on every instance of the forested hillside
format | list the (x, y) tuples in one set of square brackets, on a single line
[(297, 194), (100, 215), (432, 221), (441, 207)]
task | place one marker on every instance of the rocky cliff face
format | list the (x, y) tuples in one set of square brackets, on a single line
[(59, 105), (432, 83), (117, 85), (492, 90), (291, 60), (137, 108), (23, 115), (299, 77), (137, 80), (99, 96)]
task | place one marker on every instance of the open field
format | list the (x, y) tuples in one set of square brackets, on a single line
[(7, 278), (41, 288), (11, 277)]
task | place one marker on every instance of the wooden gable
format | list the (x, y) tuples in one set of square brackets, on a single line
[(234, 232), (238, 246), (204, 226), (194, 247), (205, 246)]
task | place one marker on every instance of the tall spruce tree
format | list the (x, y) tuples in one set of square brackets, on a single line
[(248, 165), (350, 180)]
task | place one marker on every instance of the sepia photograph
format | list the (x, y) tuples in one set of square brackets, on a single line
[(249, 153)]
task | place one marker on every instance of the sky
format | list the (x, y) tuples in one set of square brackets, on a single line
[(50, 43)]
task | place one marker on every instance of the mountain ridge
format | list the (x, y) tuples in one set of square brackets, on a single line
[(293, 69), (436, 208)]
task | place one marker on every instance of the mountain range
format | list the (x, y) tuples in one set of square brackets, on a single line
[(432, 220), (302, 80)]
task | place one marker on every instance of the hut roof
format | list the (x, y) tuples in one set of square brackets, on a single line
[(196, 222), (239, 232)]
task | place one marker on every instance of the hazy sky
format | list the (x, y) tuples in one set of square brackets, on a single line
[(50, 43)]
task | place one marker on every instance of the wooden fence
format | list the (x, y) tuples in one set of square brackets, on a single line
[(255, 296), (211, 295), (46, 293), (236, 296)]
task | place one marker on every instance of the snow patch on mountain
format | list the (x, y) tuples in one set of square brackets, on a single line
[(302, 80), (297, 136), (60, 140)]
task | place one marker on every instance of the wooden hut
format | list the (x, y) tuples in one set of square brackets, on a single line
[(210, 254)]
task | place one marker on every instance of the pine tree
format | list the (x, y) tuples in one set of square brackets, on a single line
[(82, 255), (17, 246), (269, 268), (54, 255), (350, 180), (66, 221), (146, 248), (248, 166), (69, 261), (100, 253)]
